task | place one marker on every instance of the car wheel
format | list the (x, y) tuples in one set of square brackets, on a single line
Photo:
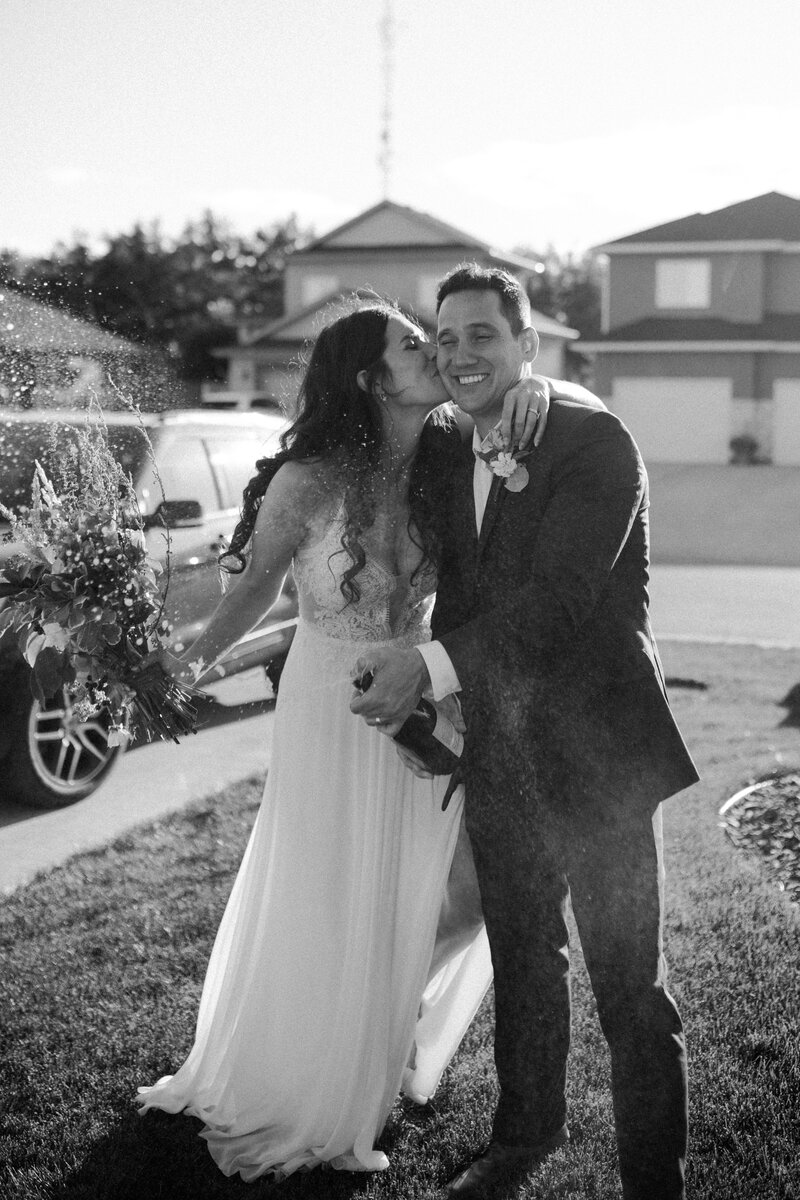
[(55, 758)]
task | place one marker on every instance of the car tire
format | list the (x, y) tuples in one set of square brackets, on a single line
[(53, 759)]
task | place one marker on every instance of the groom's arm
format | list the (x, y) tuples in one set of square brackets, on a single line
[(597, 491)]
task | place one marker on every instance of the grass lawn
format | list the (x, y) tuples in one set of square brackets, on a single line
[(103, 959)]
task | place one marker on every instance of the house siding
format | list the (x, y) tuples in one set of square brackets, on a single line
[(782, 293), (740, 368), (737, 288), (389, 274)]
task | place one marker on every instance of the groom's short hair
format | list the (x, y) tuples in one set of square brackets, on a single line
[(470, 277)]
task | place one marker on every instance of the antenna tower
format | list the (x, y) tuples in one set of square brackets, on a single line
[(387, 28)]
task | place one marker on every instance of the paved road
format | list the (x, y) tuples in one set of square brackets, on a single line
[(730, 604), (147, 783), (735, 604)]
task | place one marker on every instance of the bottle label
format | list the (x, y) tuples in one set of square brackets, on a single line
[(445, 732)]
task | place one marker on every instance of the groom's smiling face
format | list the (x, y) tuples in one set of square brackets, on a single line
[(479, 356)]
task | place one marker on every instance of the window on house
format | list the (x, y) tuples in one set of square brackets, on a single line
[(314, 287), (683, 283)]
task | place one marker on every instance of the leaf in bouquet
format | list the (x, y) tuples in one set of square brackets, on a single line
[(87, 637), (33, 645), (25, 572), (111, 633), (48, 672), (60, 586), (55, 635)]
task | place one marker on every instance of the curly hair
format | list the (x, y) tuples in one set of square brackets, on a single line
[(337, 421)]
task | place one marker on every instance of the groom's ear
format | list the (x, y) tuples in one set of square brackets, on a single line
[(530, 343)]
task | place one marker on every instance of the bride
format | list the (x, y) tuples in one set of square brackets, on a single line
[(324, 997)]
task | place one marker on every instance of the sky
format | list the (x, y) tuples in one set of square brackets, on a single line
[(526, 123)]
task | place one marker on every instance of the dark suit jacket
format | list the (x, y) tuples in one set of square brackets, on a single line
[(545, 620)]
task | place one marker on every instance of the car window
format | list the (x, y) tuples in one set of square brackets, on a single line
[(185, 475), (234, 459)]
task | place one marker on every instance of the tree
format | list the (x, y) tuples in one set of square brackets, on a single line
[(567, 288), (184, 295)]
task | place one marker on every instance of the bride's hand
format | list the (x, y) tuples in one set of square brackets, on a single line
[(525, 410), (414, 764), (177, 668)]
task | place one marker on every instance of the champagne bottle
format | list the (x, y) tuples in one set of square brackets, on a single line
[(428, 733)]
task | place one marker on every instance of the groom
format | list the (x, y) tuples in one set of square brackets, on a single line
[(541, 624)]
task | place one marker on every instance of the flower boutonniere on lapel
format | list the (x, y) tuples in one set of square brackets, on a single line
[(505, 464)]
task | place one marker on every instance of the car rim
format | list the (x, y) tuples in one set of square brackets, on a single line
[(67, 754)]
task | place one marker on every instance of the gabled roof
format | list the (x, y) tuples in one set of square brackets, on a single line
[(391, 228), (775, 327), (768, 218), (388, 223), (26, 324)]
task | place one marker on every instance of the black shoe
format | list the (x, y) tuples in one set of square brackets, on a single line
[(501, 1165)]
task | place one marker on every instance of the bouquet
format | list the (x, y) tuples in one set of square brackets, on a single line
[(84, 606)]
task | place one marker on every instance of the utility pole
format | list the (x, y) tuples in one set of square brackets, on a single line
[(387, 28)]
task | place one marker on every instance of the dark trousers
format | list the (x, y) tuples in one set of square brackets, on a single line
[(609, 867)]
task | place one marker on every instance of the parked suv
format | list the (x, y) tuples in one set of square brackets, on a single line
[(48, 758)]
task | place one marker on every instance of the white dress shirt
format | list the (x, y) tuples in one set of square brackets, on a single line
[(444, 679)]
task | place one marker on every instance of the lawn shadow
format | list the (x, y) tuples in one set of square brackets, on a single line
[(161, 1154), (791, 702)]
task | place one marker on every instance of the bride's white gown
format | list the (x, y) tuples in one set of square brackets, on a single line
[(313, 1002)]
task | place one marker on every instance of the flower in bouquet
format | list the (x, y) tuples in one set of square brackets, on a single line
[(84, 606), (506, 464)]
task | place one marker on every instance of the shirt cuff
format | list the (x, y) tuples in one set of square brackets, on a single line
[(441, 670)]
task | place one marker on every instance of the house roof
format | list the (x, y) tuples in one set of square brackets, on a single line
[(771, 217), (27, 324), (406, 226), (775, 327), (390, 227)]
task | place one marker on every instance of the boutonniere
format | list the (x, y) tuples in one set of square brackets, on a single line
[(505, 464)]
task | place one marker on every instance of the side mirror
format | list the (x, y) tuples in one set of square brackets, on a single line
[(176, 514)]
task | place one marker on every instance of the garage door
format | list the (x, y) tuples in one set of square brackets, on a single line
[(786, 429), (676, 420)]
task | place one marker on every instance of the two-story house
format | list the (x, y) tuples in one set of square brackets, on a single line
[(391, 250), (700, 351)]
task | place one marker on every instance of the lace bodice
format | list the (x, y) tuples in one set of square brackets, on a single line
[(390, 607)]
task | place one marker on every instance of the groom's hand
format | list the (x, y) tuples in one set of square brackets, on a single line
[(399, 678)]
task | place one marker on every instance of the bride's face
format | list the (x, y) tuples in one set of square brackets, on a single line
[(412, 378)]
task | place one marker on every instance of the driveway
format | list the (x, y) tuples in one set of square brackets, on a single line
[(757, 605)]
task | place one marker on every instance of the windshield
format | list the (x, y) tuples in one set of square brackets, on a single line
[(21, 443)]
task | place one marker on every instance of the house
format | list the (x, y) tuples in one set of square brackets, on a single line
[(51, 359), (700, 350), (390, 250)]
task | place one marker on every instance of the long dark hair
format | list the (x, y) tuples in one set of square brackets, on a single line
[(338, 420)]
